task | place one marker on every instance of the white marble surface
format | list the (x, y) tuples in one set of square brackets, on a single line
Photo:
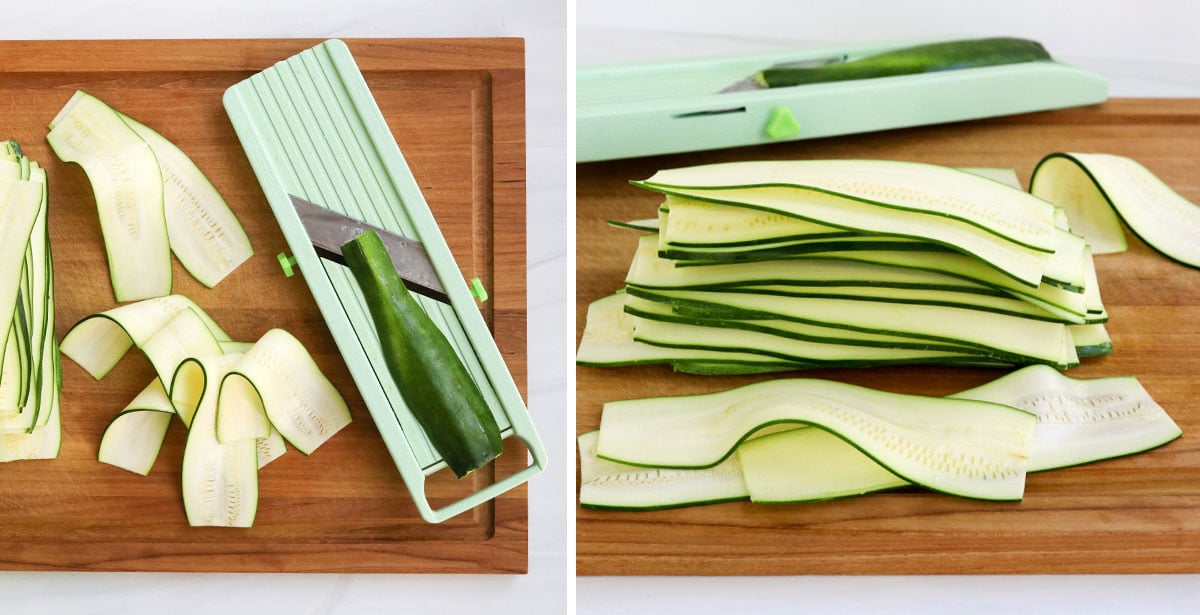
[(1145, 49), (544, 590)]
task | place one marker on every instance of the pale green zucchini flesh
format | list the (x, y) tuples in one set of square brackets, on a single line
[(240, 411), (971, 449), (1081, 421), (608, 485), (97, 342), (30, 425), (1077, 422), (1037, 340), (809, 465), (128, 186), (1002, 226), (298, 399), (182, 337), (220, 480), (204, 234), (133, 437), (152, 201), (1096, 189)]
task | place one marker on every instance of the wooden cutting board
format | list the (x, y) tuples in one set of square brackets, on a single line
[(1139, 514), (456, 108)]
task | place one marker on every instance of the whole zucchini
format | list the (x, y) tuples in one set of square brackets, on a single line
[(432, 379), (949, 55)]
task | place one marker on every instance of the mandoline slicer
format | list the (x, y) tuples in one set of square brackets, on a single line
[(311, 128), (631, 110)]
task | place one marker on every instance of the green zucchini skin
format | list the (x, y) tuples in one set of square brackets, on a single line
[(913, 60), (432, 379)]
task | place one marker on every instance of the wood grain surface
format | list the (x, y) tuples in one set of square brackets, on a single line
[(1138, 514), (456, 108)]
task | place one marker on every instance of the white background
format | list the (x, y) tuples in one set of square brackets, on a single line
[(1145, 48), (543, 24)]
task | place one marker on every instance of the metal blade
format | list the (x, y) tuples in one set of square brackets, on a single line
[(751, 83), (329, 231)]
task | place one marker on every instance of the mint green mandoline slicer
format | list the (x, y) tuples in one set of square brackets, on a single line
[(631, 110), (311, 128)]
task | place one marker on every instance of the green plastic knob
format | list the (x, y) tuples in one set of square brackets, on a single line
[(782, 124), (287, 263), (478, 291)]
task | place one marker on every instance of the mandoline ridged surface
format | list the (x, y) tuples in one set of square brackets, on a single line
[(310, 127)]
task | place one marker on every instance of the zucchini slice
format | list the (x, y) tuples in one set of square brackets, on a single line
[(29, 385), (1099, 190), (613, 486), (967, 448), (1081, 421), (97, 342), (1077, 422), (1004, 227), (608, 341), (133, 437), (436, 387), (203, 232), (1037, 340), (809, 465), (125, 178), (277, 379), (220, 479)]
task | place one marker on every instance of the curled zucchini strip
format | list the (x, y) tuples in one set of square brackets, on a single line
[(968, 448), (614, 486), (1081, 421), (279, 379), (1078, 422), (99, 341), (220, 479), (1099, 190), (132, 439)]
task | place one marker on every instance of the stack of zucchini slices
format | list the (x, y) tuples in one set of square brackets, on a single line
[(29, 370), (766, 266)]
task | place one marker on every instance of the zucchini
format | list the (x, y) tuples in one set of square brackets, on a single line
[(1034, 340), (97, 342), (608, 341), (809, 465), (203, 232), (1004, 227), (182, 337), (435, 385), (967, 448), (30, 425), (607, 485), (277, 380), (220, 479), (152, 199), (1077, 422), (125, 178), (816, 258), (133, 437), (918, 59), (1081, 421), (1099, 190)]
